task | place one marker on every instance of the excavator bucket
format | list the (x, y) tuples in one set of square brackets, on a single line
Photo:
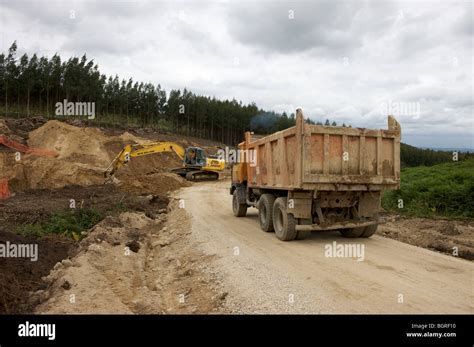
[(17, 146), (25, 149)]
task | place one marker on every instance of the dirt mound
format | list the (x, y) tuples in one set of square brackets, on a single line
[(127, 137), (77, 144), (155, 183), (161, 162), (81, 158), (84, 154)]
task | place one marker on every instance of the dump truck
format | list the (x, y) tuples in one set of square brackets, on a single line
[(316, 178)]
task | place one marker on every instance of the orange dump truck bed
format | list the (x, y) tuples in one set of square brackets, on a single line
[(325, 158), (317, 178)]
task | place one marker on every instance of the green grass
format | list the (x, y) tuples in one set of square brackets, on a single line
[(443, 190), (70, 223)]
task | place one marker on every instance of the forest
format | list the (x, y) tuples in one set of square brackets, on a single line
[(413, 156), (33, 85)]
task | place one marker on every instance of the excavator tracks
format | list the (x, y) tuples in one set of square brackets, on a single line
[(196, 175)]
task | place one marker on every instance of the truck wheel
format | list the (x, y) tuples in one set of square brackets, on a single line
[(284, 223), (352, 232), (369, 230), (265, 212), (240, 210)]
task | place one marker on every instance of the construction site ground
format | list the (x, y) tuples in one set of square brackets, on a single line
[(166, 245)]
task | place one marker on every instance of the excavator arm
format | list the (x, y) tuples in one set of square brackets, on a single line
[(130, 151), (16, 146)]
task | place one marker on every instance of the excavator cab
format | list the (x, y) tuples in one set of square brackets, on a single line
[(196, 166), (195, 157)]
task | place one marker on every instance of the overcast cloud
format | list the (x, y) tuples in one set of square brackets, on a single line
[(349, 61)]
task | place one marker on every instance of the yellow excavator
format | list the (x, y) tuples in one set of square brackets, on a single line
[(196, 165)]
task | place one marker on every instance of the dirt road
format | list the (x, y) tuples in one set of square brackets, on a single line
[(264, 275)]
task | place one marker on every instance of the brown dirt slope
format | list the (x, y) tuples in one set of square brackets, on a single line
[(452, 237), (43, 186), (133, 264), (19, 276), (84, 154)]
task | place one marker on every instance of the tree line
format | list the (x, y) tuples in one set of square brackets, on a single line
[(33, 85), (413, 156)]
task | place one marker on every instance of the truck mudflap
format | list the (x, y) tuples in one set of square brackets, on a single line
[(337, 226)]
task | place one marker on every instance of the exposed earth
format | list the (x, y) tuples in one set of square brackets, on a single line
[(159, 244), (42, 189)]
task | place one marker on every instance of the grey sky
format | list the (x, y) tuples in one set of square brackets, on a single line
[(349, 61)]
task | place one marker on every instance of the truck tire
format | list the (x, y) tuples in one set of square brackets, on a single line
[(265, 212), (369, 230), (240, 210), (352, 232), (283, 222)]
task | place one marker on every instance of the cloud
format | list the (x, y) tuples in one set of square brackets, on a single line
[(336, 59), (295, 27)]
